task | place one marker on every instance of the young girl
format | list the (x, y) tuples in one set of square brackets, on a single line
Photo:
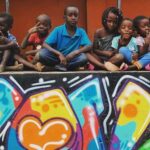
[(102, 50), (125, 43), (36, 35), (141, 24)]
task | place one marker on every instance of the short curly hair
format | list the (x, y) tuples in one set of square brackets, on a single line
[(136, 22), (8, 17)]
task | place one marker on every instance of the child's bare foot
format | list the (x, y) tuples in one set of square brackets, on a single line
[(16, 63), (2, 68), (111, 67), (124, 66), (39, 66), (18, 67)]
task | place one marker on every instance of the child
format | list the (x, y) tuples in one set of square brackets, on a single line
[(8, 44), (102, 50), (36, 35), (9, 47), (66, 44), (142, 26), (125, 43)]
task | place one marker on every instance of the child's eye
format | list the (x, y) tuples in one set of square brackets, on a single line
[(111, 21), (123, 27)]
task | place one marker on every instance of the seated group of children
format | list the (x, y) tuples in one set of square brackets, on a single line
[(121, 44)]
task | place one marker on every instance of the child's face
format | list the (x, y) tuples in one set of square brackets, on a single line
[(3, 25), (144, 27), (126, 29), (71, 17), (43, 26), (111, 22)]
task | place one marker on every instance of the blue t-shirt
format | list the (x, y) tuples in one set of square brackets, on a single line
[(11, 37), (132, 45), (60, 40)]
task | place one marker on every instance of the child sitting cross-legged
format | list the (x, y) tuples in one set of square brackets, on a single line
[(126, 45), (36, 36), (142, 27), (8, 44), (66, 45), (102, 50), (9, 48)]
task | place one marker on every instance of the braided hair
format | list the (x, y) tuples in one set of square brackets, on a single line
[(115, 11)]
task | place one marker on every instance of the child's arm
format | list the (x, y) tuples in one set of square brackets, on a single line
[(107, 53), (57, 53), (85, 46), (142, 45), (6, 44), (30, 52), (25, 41), (97, 45), (84, 49)]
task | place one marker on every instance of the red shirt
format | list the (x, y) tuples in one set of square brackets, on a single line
[(35, 40)]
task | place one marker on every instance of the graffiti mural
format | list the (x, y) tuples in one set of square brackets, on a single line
[(82, 111)]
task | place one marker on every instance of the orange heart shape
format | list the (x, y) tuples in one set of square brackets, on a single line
[(53, 134)]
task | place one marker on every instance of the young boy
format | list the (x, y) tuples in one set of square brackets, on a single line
[(36, 35), (66, 44), (8, 44)]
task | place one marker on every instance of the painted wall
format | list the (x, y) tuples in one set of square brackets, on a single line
[(2, 5), (25, 12), (82, 111), (130, 8)]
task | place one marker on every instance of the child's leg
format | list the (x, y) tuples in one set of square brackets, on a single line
[(111, 67), (114, 62), (28, 64), (46, 57), (141, 63), (117, 59), (78, 61), (18, 67), (5, 58), (126, 53), (144, 60), (94, 59)]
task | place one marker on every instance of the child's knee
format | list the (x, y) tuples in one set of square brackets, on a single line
[(84, 58), (119, 57), (123, 50)]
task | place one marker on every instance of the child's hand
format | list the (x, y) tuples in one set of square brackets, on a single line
[(109, 53), (34, 29), (135, 56), (72, 55), (62, 59), (3, 40), (147, 39)]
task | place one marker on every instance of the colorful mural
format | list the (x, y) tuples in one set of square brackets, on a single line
[(74, 112)]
